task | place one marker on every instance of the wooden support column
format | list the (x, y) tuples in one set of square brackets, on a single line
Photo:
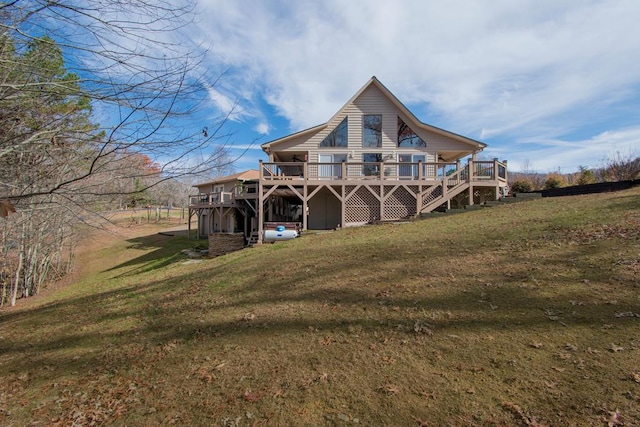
[(212, 220), (305, 194), (381, 191), (343, 207), (245, 228), (305, 207), (471, 166), (259, 205), (381, 194)]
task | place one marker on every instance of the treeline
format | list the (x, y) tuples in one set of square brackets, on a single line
[(617, 168), (107, 129)]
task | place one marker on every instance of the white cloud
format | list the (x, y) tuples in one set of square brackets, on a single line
[(553, 154), (263, 128), (225, 104), (532, 69)]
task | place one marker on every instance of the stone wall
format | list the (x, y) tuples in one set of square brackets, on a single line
[(220, 244)]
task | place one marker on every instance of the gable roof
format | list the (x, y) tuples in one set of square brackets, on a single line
[(247, 175), (386, 92)]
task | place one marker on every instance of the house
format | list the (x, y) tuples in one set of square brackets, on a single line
[(226, 204), (372, 161)]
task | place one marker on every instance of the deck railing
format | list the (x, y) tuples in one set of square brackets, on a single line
[(386, 171), (239, 191), (214, 198)]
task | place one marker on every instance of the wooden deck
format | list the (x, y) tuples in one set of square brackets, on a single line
[(364, 192), (485, 173)]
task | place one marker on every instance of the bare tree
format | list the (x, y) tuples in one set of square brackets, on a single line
[(621, 167), (130, 67), (72, 131)]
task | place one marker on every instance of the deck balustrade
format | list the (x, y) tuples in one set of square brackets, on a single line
[(482, 171), (217, 198), (450, 174)]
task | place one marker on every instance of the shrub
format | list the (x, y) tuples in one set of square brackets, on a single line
[(587, 176), (521, 186), (554, 180)]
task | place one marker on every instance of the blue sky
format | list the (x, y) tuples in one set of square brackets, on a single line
[(548, 85)]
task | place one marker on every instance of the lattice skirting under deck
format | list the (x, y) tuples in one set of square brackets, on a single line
[(400, 204), (362, 206)]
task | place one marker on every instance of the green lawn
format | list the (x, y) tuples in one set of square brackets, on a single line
[(525, 314)]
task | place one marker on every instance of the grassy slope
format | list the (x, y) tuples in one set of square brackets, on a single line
[(506, 316)]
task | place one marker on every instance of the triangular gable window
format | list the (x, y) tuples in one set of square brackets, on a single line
[(407, 137), (338, 137)]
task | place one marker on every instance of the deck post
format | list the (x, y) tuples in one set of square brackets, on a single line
[(381, 194), (305, 204), (343, 208), (259, 204), (495, 176), (245, 228), (471, 166), (445, 186)]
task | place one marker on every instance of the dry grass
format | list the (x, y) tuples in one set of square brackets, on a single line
[(524, 314)]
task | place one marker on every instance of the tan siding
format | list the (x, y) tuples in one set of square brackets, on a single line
[(301, 143), (373, 101)]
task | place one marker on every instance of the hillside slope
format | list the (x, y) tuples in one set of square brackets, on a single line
[(515, 315)]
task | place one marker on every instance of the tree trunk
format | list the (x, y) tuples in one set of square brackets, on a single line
[(16, 284)]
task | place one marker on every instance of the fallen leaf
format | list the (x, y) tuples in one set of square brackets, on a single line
[(250, 396), (423, 328), (428, 395), (614, 419), (517, 410), (614, 348), (421, 423), (6, 208), (626, 314), (391, 389), (635, 376)]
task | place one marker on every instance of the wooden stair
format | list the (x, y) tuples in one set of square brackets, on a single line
[(253, 238)]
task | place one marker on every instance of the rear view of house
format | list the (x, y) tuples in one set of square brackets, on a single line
[(372, 161)]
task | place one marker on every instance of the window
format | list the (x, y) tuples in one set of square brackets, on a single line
[(371, 166), (338, 137), (409, 170), (372, 131), (407, 137), (330, 166)]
